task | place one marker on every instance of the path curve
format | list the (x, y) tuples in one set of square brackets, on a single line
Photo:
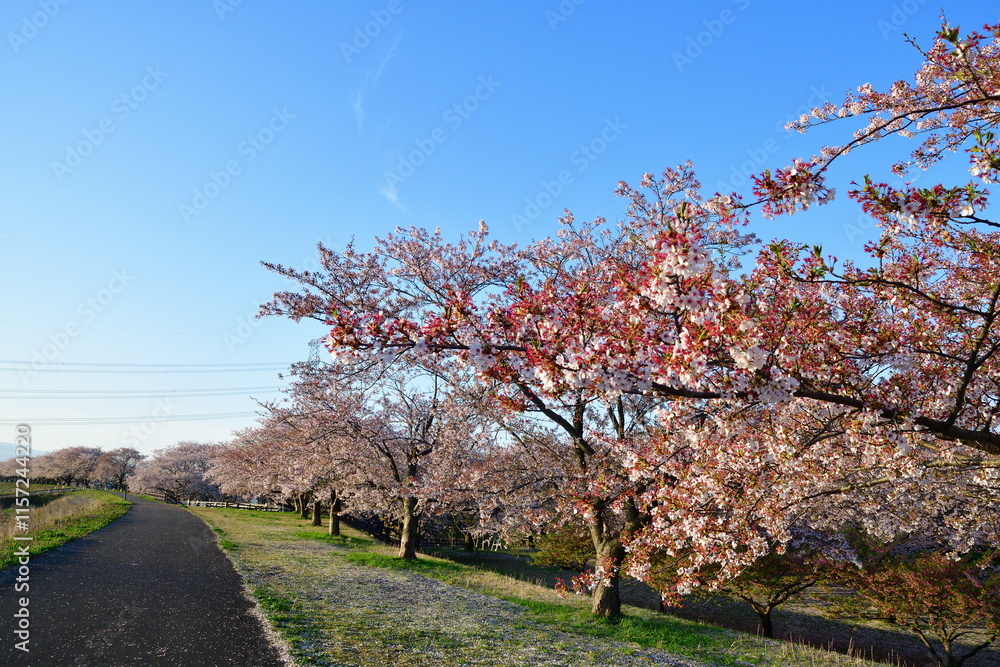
[(152, 588)]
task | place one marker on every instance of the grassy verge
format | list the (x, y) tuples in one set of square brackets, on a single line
[(349, 601), (57, 519), (642, 627)]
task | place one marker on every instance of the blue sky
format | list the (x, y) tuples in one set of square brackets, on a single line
[(154, 154)]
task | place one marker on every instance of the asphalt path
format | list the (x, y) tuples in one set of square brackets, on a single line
[(153, 588)]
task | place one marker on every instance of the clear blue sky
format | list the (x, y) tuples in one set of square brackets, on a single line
[(154, 153)]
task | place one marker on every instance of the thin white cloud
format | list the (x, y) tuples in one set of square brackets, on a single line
[(392, 194), (371, 82), (385, 61), (388, 190), (359, 110)]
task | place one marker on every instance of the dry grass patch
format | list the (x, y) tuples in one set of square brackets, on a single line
[(54, 520)]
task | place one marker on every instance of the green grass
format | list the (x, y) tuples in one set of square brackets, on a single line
[(225, 542), (636, 626), (61, 519), (666, 633), (349, 541), (291, 622), (273, 603), (314, 590), (641, 627), (439, 569)]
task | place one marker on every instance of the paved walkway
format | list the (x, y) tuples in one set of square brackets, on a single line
[(153, 588)]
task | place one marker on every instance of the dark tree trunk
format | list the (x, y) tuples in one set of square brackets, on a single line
[(317, 513), (949, 659), (409, 532), (304, 506), (943, 659), (470, 542), (335, 506), (766, 626)]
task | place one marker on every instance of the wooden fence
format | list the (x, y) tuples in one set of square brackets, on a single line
[(44, 492), (162, 497), (240, 506), (7, 501)]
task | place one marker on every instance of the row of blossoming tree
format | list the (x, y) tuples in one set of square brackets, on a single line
[(392, 443), (80, 466), (640, 377)]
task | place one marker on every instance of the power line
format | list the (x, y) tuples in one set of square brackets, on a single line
[(130, 332), (90, 421), (45, 325), (129, 393), (104, 364), (28, 369), (158, 337), (189, 394)]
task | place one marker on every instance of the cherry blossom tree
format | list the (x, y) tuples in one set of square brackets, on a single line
[(247, 466), (923, 315), (118, 465), (480, 267), (394, 438), (178, 472), (781, 387), (288, 454), (68, 466)]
